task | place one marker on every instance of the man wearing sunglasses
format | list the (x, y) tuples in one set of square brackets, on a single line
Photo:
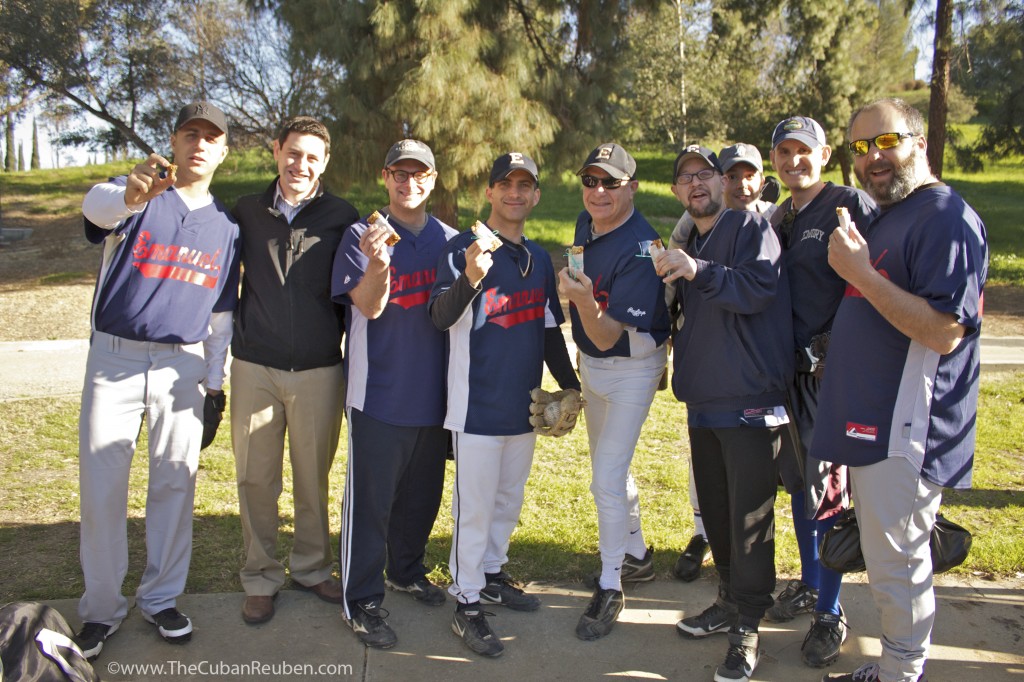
[(743, 182), (898, 405), (501, 311), (818, 489), (731, 365), (620, 325), (395, 399)]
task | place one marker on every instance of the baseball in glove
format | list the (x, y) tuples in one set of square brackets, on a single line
[(554, 414)]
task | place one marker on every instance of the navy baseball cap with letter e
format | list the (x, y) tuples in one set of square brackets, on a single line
[(204, 111), (410, 149), (506, 164), (800, 128), (695, 150), (740, 153), (612, 159)]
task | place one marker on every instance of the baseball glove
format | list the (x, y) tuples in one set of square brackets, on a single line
[(213, 412), (554, 414)]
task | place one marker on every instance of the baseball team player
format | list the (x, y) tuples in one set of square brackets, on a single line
[(286, 373), (620, 324), (732, 362), (502, 314), (898, 405), (743, 183), (818, 489), (395, 402), (161, 324)]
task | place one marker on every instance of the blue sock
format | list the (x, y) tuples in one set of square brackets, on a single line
[(806, 540), (829, 582)]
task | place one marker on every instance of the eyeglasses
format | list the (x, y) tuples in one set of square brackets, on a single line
[(883, 141), (687, 178), (401, 176), (592, 181)]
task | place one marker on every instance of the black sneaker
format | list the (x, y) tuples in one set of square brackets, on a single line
[(797, 598), (866, 673), (718, 617), (824, 640), (422, 590), (91, 637), (502, 590), (471, 625), (599, 618), (638, 570), (173, 625), (688, 564), (369, 624), (742, 657)]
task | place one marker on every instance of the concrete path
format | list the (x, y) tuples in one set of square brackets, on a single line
[(30, 369), (978, 636)]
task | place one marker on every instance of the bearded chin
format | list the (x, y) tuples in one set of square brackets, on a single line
[(904, 180), (712, 208)]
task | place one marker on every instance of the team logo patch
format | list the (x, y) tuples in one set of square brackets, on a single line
[(861, 432), (741, 150), (793, 124), (604, 153), (515, 158), (636, 313), (693, 148)]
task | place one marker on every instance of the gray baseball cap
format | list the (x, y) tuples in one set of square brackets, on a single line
[(691, 151), (740, 153), (410, 149), (612, 159)]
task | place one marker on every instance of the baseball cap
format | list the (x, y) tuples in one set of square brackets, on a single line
[(740, 153), (410, 149), (800, 128), (691, 151), (612, 159), (204, 111), (506, 164)]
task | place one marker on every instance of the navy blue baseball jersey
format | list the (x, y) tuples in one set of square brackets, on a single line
[(626, 286), (885, 395), (496, 349), (395, 363), (187, 258)]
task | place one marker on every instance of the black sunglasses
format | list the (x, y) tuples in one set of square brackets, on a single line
[(592, 181)]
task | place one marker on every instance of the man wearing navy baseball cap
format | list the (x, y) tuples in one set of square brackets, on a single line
[(818, 490), (732, 291), (486, 301), (620, 325)]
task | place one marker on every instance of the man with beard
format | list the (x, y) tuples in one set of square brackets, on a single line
[(732, 364), (742, 184), (899, 402)]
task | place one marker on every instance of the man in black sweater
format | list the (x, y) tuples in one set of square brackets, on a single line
[(287, 369)]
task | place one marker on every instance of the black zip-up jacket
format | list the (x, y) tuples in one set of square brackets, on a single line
[(285, 317)]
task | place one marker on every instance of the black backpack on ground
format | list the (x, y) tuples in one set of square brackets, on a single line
[(36, 646)]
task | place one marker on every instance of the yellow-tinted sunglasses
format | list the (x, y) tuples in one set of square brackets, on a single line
[(883, 141)]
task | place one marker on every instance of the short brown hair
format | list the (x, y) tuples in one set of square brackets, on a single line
[(304, 125), (912, 117)]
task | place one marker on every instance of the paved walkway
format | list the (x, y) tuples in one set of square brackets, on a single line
[(31, 369), (978, 636)]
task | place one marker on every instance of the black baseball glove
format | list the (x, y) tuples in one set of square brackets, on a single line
[(213, 412)]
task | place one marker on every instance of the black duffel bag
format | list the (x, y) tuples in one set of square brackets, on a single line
[(840, 548)]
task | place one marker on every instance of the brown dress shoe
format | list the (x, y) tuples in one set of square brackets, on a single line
[(257, 609), (329, 590)]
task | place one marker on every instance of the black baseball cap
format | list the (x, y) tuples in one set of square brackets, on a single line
[(506, 164), (410, 149), (204, 111), (740, 153), (695, 150), (612, 159)]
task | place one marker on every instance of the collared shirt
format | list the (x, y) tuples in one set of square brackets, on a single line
[(288, 210)]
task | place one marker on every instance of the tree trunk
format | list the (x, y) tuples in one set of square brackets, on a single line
[(444, 205), (844, 165), (937, 105), (10, 164)]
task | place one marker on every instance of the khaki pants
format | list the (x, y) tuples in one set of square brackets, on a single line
[(265, 403)]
